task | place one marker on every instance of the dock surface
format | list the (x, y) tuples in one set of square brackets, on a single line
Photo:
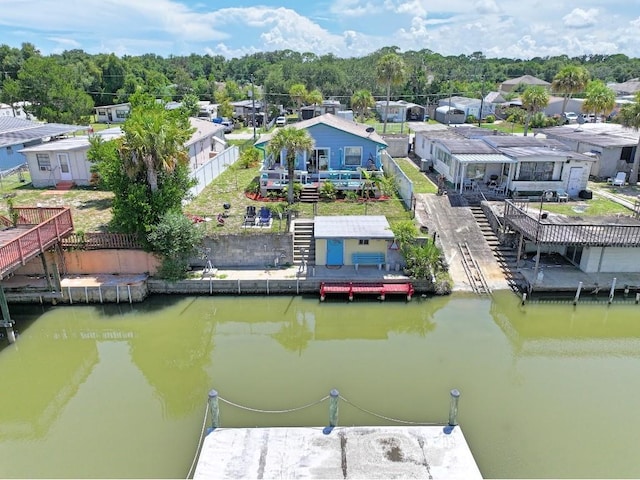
[(436, 452)]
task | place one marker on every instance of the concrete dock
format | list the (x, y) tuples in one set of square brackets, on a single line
[(436, 452)]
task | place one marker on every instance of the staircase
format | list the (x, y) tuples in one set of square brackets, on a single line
[(506, 256), (309, 194), (304, 247)]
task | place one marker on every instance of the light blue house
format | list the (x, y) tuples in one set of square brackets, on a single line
[(342, 150)]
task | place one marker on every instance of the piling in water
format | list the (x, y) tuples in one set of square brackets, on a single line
[(334, 395), (214, 409), (453, 408)]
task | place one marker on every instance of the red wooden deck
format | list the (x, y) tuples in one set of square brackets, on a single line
[(36, 230), (376, 288)]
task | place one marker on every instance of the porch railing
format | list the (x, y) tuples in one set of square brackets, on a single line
[(102, 241)]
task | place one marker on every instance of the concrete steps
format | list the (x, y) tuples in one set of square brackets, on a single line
[(505, 256), (309, 194), (304, 247)]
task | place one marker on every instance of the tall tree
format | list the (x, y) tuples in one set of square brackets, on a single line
[(292, 141), (298, 93), (571, 79), (314, 97), (10, 93), (361, 101), (630, 117), (534, 99), (390, 70), (599, 98)]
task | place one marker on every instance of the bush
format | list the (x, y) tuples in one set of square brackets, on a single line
[(471, 119), (490, 119), (328, 191)]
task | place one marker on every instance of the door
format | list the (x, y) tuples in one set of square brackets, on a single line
[(65, 169), (335, 252), (575, 181)]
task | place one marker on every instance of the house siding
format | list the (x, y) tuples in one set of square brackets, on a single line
[(78, 164), (351, 246), (614, 259), (335, 140)]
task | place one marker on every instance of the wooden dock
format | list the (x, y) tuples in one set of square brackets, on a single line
[(374, 288)]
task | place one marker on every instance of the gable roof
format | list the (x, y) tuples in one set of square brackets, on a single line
[(17, 131), (527, 80), (333, 121), (204, 129)]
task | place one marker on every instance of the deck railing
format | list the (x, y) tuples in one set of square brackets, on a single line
[(49, 226), (100, 240)]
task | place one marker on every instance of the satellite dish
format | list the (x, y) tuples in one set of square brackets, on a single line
[(370, 129)]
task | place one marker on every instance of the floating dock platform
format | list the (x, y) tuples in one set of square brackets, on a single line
[(376, 288), (435, 452)]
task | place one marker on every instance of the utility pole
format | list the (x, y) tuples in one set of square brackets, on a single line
[(253, 109)]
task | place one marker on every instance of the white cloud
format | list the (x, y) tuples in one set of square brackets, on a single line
[(487, 6), (579, 18), (353, 8)]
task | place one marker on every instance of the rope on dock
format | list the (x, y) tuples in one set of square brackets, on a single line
[(295, 409), (407, 422), (195, 457)]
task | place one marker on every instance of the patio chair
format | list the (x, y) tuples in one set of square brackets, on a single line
[(265, 217), (250, 217), (562, 195), (620, 180)]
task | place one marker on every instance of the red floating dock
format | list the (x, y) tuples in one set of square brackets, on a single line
[(382, 289)]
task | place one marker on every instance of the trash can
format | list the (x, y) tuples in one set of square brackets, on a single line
[(585, 194)]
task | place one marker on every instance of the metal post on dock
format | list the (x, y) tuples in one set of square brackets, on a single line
[(453, 408), (334, 395), (612, 291), (637, 298), (214, 409), (524, 298), (577, 297)]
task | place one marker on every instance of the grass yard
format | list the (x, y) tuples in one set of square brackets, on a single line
[(421, 184)]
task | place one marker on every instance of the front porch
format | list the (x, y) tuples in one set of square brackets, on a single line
[(277, 179)]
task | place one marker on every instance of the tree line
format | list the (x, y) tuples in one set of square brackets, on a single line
[(65, 87)]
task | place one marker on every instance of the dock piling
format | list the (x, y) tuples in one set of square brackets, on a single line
[(453, 408), (334, 395), (612, 291), (577, 297), (11, 335), (637, 298), (214, 409), (524, 298)]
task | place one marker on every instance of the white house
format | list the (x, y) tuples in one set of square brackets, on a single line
[(470, 106), (400, 111), (18, 133), (113, 113), (66, 160), (16, 110), (612, 146)]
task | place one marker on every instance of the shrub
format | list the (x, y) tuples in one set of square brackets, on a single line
[(471, 119), (490, 119), (328, 191)]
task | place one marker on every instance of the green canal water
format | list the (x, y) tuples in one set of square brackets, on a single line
[(119, 391)]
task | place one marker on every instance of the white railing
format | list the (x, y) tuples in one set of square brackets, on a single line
[(212, 169), (403, 183)]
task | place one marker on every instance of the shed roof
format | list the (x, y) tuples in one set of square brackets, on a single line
[(204, 129), (352, 226), (527, 80), (599, 134), (539, 151), (484, 158), (467, 146)]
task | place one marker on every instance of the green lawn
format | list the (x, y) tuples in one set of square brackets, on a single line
[(421, 184)]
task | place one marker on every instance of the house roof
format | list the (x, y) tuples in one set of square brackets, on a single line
[(204, 129), (80, 142), (484, 158), (630, 86), (332, 121), (352, 226), (494, 97), (599, 134), (460, 100), (469, 146), (116, 105), (17, 131), (503, 141), (527, 80), (537, 151)]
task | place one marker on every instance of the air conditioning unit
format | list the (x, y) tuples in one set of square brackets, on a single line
[(44, 169)]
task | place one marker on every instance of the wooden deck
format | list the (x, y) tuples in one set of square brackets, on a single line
[(352, 289), (36, 230)]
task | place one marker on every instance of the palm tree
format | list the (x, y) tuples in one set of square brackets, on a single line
[(630, 117), (153, 142), (599, 99), (314, 97), (390, 70), (360, 101), (292, 141), (534, 99), (298, 93), (571, 79)]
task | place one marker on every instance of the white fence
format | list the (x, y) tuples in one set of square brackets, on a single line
[(212, 169), (405, 186)]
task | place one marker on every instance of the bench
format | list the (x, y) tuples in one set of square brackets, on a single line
[(367, 258)]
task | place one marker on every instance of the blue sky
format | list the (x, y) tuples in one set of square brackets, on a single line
[(346, 28)]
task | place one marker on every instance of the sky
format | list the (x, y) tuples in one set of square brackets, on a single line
[(346, 28)]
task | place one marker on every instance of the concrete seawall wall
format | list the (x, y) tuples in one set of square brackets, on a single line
[(251, 250)]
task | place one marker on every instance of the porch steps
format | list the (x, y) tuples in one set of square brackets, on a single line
[(304, 246), (309, 194), (65, 185), (506, 256)]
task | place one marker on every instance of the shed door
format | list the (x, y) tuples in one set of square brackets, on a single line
[(335, 251), (65, 169), (575, 181)]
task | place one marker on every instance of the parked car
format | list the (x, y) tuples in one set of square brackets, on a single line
[(570, 117), (281, 121), (228, 126)]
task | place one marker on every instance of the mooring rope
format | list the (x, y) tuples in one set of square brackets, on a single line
[(386, 418), (273, 411), (195, 457)]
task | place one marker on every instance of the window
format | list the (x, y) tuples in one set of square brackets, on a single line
[(44, 163), (536, 171), (353, 156), (9, 151), (627, 154), (121, 114), (363, 241)]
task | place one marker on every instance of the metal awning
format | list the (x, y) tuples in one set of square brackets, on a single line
[(483, 158)]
